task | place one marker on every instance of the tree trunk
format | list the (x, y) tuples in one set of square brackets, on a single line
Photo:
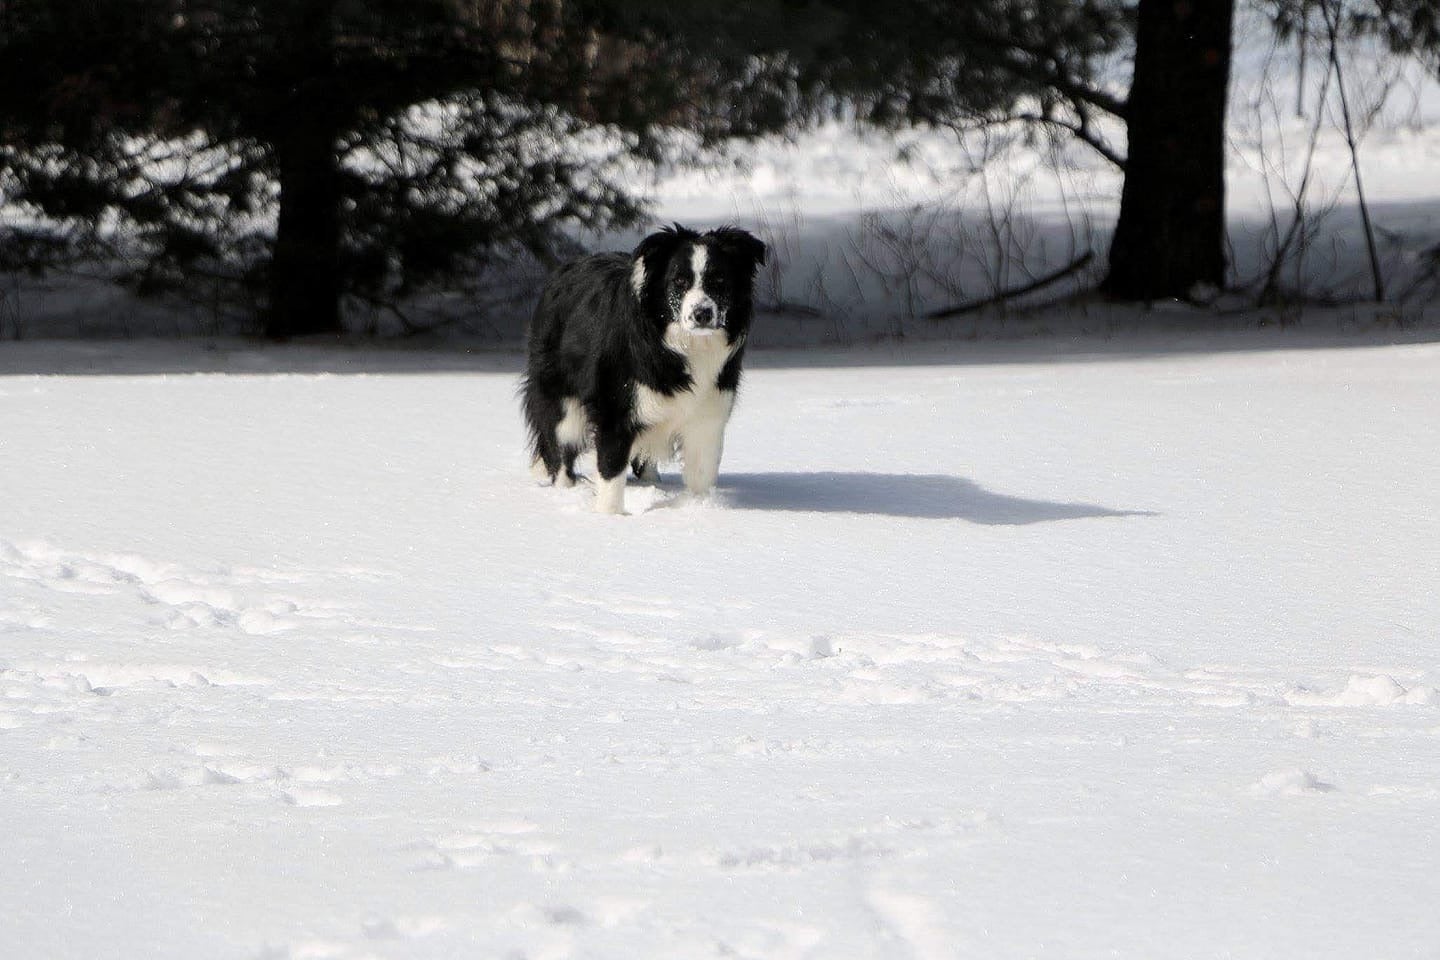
[(305, 282), (305, 270), (1170, 238)]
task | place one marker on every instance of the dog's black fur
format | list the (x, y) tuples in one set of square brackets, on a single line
[(623, 339)]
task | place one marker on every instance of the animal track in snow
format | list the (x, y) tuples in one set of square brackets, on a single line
[(303, 785), (793, 856), (890, 839), (310, 797), (1290, 782), (240, 598), (105, 678), (479, 846), (835, 406), (639, 635), (373, 932), (1367, 691), (911, 669)]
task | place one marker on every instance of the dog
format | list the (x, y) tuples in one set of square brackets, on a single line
[(639, 354)]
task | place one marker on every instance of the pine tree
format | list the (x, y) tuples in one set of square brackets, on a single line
[(1038, 62), (310, 150), (77, 83)]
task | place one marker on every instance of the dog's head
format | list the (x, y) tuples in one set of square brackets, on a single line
[(701, 283)]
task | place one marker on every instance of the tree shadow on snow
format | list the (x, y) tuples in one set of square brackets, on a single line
[(919, 496)]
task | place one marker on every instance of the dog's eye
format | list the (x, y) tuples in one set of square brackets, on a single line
[(679, 283)]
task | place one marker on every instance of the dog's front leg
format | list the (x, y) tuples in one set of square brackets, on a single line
[(612, 460), (702, 442)]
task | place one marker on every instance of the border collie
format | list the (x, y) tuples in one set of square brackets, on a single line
[(638, 355)]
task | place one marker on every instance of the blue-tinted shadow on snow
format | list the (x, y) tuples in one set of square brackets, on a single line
[(919, 496)]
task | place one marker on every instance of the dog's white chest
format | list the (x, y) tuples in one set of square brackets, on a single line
[(694, 418), (705, 357)]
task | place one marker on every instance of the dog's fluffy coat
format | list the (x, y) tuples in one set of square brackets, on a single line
[(640, 354)]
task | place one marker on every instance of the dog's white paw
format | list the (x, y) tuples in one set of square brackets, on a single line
[(610, 495)]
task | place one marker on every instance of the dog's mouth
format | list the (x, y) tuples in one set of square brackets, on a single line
[(683, 336)]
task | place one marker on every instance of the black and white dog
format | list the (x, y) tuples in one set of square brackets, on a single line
[(638, 354)]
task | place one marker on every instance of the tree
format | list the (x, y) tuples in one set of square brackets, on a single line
[(1039, 62), (958, 65), (1032, 61), (1411, 26), (1170, 236), (76, 83), (314, 149), (317, 149)]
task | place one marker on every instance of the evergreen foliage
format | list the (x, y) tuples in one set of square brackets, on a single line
[(290, 156), (309, 150)]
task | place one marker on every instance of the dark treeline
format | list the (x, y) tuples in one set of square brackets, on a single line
[(295, 153)]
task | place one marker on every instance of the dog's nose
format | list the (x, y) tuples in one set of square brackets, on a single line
[(704, 316)]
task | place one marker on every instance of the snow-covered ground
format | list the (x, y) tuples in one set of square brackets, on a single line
[(1012, 651)]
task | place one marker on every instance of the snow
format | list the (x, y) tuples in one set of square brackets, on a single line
[(1008, 650)]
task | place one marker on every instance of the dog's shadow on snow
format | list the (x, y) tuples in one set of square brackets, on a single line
[(919, 496)]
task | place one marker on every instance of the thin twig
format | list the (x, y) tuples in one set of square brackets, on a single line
[(1075, 266), (1282, 252), (1333, 29)]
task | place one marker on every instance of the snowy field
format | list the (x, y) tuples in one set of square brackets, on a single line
[(1012, 651)]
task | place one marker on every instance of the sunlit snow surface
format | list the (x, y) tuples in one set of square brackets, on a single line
[(1017, 651)]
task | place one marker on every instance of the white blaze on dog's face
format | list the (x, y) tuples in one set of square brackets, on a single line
[(697, 293)]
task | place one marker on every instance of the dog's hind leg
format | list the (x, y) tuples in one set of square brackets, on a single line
[(567, 476), (572, 434), (645, 470), (653, 447)]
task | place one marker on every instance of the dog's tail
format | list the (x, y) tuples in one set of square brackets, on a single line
[(541, 418)]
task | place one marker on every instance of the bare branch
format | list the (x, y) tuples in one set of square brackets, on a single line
[(1074, 266)]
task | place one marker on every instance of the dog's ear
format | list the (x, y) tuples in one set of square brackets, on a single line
[(653, 253), (742, 244)]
